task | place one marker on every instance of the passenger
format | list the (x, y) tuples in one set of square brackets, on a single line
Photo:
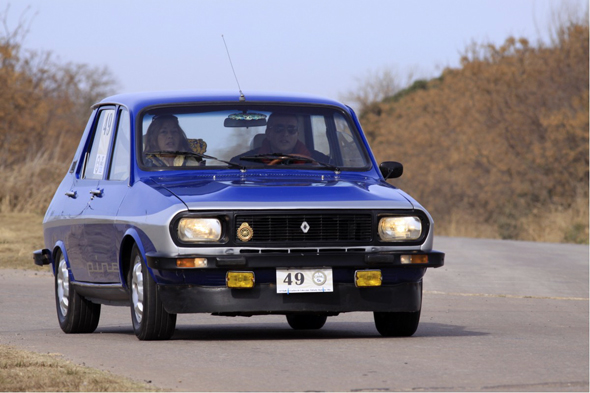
[(164, 134), (282, 136)]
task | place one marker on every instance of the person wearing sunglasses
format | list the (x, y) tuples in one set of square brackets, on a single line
[(282, 136)]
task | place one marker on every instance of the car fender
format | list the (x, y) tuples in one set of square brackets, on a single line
[(132, 236), (60, 247)]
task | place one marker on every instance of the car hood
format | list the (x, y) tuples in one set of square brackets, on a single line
[(209, 192)]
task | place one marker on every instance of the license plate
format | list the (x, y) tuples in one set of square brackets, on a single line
[(304, 280)]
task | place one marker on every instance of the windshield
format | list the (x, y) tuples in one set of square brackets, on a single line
[(250, 136)]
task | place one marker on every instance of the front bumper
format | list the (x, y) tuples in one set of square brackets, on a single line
[(204, 290), (263, 299)]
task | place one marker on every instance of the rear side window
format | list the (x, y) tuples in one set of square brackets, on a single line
[(97, 156)]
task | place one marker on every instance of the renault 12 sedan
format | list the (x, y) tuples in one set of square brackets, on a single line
[(234, 205)]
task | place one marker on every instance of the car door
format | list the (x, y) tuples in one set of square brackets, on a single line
[(111, 164), (90, 243)]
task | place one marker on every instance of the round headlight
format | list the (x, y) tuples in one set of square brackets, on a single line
[(392, 229), (199, 229)]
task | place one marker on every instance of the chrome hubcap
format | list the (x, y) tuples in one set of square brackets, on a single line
[(63, 286), (137, 289)]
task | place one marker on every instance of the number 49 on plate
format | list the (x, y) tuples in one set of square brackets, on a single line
[(304, 280)]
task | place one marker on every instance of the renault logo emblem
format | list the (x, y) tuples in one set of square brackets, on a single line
[(305, 227)]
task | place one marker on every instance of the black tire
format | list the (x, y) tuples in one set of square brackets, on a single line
[(306, 321), (397, 324), (150, 319), (75, 313)]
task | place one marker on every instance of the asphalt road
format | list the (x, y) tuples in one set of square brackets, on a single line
[(500, 316)]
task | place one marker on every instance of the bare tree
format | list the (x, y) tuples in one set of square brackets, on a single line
[(44, 105), (567, 13), (375, 86)]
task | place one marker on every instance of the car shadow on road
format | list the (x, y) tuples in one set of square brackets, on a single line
[(276, 331)]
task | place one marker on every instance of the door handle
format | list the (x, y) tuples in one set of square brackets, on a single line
[(97, 192), (72, 194)]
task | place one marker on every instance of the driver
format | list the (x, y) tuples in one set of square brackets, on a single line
[(282, 136)]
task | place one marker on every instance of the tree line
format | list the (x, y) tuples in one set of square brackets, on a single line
[(44, 106), (499, 146)]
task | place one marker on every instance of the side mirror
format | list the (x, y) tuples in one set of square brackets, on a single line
[(391, 169)]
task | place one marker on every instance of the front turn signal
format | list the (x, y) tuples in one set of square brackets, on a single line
[(191, 262), (416, 258)]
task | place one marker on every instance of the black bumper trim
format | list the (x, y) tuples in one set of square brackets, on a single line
[(263, 299), (299, 259)]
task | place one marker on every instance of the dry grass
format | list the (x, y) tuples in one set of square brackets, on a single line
[(553, 225), (558, 224), (461, 224), (20, 235), (29, 187), (22, 371)]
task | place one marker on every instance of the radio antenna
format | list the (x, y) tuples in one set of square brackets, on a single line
[(242, 98)]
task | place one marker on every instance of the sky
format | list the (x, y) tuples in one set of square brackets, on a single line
[(320, 47)]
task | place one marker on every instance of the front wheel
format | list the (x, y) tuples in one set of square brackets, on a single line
[(397, 324), (75, 313), (150, 320), (306, 321)]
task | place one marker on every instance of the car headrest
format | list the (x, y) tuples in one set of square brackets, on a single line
[(257, 141)]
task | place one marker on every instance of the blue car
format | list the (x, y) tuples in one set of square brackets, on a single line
[(234, 205)]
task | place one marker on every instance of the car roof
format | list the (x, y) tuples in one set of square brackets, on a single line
[(137, 101)]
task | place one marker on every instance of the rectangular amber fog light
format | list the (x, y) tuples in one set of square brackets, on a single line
[(239, 279), (367, 278), (416, 258)]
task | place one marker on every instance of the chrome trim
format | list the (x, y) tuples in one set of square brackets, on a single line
[(229, 251), (297, 205), (84, 284)]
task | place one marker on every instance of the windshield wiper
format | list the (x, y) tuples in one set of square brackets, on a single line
[(279, 158), (232, 165)]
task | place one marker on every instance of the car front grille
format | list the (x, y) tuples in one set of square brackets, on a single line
[(305, 228)]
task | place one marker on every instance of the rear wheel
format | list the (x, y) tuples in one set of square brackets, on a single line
[(75, 313), (150, 320), (306, 321)]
